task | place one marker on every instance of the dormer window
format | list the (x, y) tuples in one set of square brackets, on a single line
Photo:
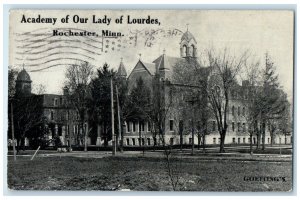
[(55, 102)]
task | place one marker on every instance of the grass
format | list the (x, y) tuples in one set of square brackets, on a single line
[(147, 174)]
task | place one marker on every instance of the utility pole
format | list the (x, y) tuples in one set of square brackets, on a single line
[(119, 119), (112, 117), (13, 131)]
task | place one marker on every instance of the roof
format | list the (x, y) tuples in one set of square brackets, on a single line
[(187, 36), (150, 67), (122, 70), (166, 62), (23, 76)]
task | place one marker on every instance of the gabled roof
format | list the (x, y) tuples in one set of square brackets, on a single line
[(122, 70), (149, 67), (187, 36)]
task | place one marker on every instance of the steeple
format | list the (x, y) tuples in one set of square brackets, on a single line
[(122, 71), (188, 45), (23, 83)]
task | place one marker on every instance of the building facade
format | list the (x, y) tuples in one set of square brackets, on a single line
[(182, 114)]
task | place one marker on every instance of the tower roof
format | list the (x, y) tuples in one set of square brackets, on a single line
[(23, 76), (122, 70), (187, 36)]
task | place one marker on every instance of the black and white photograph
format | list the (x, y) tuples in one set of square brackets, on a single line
[(150, 100)]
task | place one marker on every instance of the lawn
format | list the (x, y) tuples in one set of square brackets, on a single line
[(144, 174)]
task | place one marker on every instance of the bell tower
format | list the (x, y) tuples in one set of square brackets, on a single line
[(188, 45), (23, 83)]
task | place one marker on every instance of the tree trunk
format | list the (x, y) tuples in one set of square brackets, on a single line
[(86, 136), (18, 145), (203, 142), (263, 137), (222, 148), (199, 141), (140, 138), (258, 140), (251, 144), (272, 138)]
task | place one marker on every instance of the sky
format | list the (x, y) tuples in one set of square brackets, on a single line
[(46, 57)]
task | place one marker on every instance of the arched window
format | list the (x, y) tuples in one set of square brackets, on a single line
[(193, 50), (184, 49)]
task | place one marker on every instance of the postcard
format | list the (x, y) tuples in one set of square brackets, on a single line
[(150, 100)]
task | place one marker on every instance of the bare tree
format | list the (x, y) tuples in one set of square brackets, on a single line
[(78, 78), (224, 70), (39, 89), (251, 78)]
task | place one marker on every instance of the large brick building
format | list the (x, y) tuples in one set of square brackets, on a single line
[(163, 67), (63, 121)]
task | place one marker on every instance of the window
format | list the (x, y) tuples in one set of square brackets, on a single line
[(61, 101), (133, 141), (244, 127), (244, 140), (233, 140), (149, 127), (244, 111), (268, 140), (239, 140), (154, 141), (190, 140), (193, 50), (214, 126), (184, 49), (133, 126), (219, 140), (52, 115), (55, 102), (239, 126), (143, 141), (249, 140), (128, 126), (171, 141), (171, 125), (142, 126), (239, 111), (254, 140), (127, 141), (233, 110), (148, 141), (232, 126), (214, 140)]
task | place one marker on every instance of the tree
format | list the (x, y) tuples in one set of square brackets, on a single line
[(12, 75), (250, 91), (224, 70), (190, 80), (137, 107), (39, 89), (78, 78), (100, 105), (271, 100), (27, 114)]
